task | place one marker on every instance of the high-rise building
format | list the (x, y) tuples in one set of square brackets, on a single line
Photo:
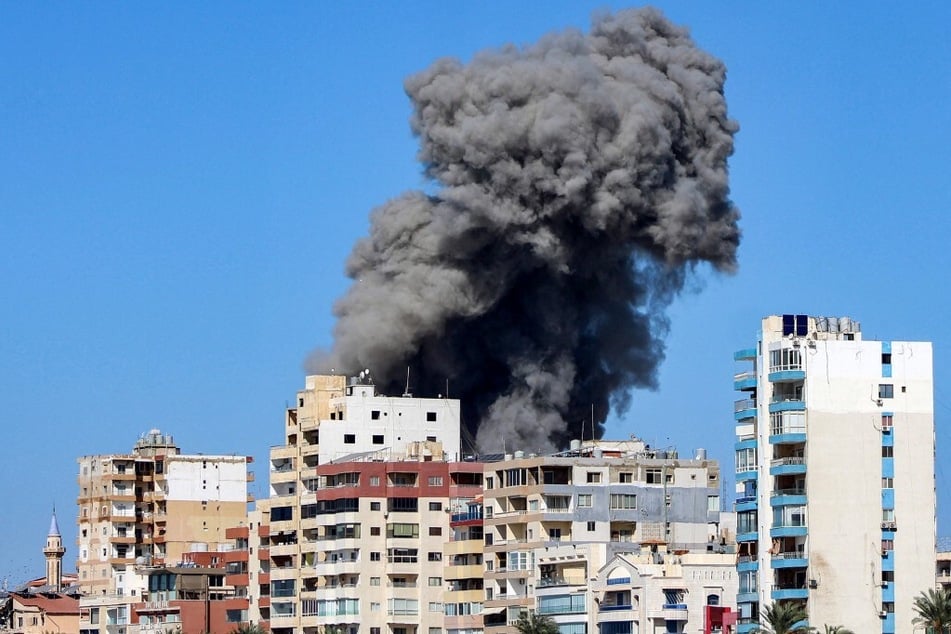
[(358, 509), (835, 474), (552, 521), (150, 507)]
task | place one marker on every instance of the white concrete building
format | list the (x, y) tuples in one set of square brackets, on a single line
[(835, 474), (360, 420), (655, 590)]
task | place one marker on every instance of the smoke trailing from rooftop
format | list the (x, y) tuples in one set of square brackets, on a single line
[(577, 182)]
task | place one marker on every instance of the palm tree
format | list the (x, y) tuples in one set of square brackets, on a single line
[(784, 618), (249, 628), (836, 629), (533, 623), (934, 610)]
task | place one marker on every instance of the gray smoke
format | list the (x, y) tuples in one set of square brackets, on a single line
[(578, 181)]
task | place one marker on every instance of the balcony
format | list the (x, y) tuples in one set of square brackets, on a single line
[(786, 374), (744, 408), (792, 559), (785, 594), (788, 497), (786, 404), (750, 536), (750, 596), (747, 563), (788, 530), (612, 613), (470, 516), (746, 354), (794, 465), (748, 472), (745, 503), (669, 612), (744, 381), (787, 431)]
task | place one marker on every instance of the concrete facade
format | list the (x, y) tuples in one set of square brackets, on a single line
[(835, 474), (553, 521), (150, 507)]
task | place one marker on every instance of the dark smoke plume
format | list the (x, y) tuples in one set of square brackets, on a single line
[(578, 181)]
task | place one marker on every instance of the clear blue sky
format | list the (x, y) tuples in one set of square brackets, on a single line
[(180, 185)]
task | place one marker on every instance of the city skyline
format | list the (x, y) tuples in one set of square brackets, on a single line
[(182, 186)]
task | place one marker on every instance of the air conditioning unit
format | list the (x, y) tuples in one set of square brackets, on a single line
[(882, 614)]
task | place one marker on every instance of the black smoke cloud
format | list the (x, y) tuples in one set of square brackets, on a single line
[(577, 182)]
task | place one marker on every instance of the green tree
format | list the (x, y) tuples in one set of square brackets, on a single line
[(248, 628), (934, 611), (783, 617), (836, 629), (533, 623)]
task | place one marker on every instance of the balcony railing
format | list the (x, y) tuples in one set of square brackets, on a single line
[(744, 403), (793, 491), (793, 460), (792, 554)]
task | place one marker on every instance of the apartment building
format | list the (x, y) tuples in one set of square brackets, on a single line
[(149, 507), (551, 522), (247, 564), (358, 512), (835, 474), (655, 589), (464, 568)]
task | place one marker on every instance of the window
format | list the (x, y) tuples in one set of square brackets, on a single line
[(489, 482), (375, 607), (374, 531), (888, 576), (625, 477), (435, 481), (374, 630), (623, 501), (435, 531), (888, 515), (435, 607), (888, 606), (888, 483), (591, 526), (374, 556), (377, 439), (713, 503), (557, 502), (430, 417), (584, 500), (653, 476), (435, 506), (349, 439), (374, 481), (402, 530), (886, 358), (887, 422), (434, 556), (435, 582), (554, 534), (375, 414), (374, 506), (886, 390), (888, 452), (594, 477), (887, 545), (515, 477)]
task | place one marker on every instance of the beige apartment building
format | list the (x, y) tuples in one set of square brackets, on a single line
[(149, 507), (551, 522)]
